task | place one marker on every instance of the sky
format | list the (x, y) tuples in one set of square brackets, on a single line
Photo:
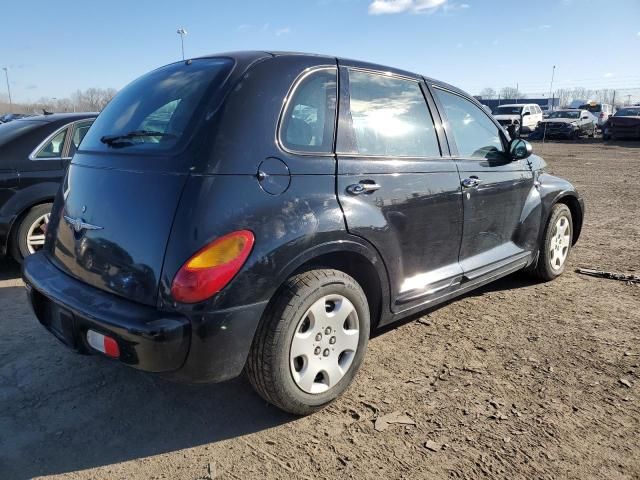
[(54, 48)]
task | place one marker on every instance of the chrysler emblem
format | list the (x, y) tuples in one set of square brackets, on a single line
[(78, 225)]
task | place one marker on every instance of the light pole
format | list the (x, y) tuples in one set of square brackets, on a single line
[(6, 74), (182, 32)]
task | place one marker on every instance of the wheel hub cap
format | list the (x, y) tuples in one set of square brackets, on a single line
[(324, 344)]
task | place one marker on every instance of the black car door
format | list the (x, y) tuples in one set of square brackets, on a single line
[(396, 188), (495, 189)]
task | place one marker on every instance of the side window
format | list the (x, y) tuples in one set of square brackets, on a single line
[(474, 133), (309, 121), (390, 117), (526, 110), (53, 148), (79, 131)]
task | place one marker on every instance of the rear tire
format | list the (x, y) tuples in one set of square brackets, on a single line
[(556, 244), (300, 361), (27, 236)]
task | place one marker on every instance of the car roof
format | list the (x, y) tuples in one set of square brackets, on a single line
[(58, 116), (250, 56)]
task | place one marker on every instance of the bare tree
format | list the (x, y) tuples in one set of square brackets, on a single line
[(488, 93), (510, 92)]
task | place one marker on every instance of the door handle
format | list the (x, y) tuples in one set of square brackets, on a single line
[(362, 187), (471, 182)]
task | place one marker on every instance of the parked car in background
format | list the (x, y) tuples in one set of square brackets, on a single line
[(601, 111), (567, 123), (624, 124), (273, 233), (34, 154), (8, 117), (518, 118)]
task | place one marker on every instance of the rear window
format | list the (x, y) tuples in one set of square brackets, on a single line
[(308, 123), (158, 111), (597, 108)]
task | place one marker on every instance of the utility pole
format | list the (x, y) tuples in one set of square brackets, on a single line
[(6, 74), (182, 32), (553, 73), (629, 99)]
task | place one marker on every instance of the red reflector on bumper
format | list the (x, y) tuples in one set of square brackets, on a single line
[(104, 344)]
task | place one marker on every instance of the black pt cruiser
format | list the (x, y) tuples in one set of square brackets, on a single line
[(264, 212)]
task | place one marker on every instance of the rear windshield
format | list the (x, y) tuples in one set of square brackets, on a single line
[(11, 130), (507, 111), (157, 111), (628, 112), (565, 114)]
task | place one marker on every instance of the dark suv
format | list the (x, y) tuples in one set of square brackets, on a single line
[(266, 211)]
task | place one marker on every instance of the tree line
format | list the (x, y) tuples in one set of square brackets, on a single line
[(564, 95), (89, 100)]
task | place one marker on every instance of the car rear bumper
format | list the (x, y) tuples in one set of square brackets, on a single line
[(199, 347), (148, 339)]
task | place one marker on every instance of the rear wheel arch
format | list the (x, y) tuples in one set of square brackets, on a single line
[(361, 269), (352, 258)]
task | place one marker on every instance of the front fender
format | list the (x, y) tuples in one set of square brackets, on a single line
[(558, 190)]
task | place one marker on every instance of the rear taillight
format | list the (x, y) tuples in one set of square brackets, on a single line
[(212, 268)]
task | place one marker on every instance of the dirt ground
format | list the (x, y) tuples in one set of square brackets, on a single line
[(518, 380)]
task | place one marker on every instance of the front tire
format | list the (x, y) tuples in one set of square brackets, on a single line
[(28, 235), (310, 342), (556, 244)]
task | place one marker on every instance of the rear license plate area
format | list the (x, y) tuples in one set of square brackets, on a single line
[(60, 322)]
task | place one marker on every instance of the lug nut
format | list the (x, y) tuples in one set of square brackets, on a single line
[(332, 340), (327, 331), (316, 351), (318, 337), (326, 352)]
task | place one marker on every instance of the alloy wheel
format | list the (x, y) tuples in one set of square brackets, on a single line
[(324, 344), (560, 243), (36, 233)]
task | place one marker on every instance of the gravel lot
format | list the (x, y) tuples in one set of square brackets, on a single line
[(518, 380)]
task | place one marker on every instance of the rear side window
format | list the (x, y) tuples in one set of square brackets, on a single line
[(309, 121), (160, 109), (390, 117), (474, 133), (53, 148)]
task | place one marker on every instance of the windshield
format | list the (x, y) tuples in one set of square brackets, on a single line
[(507, 110), (628, 112), (597, 108), (564, 114), (164, 104)]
